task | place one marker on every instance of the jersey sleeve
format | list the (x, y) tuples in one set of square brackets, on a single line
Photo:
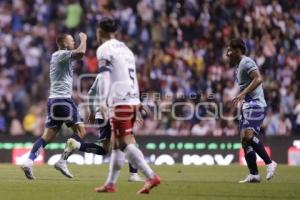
[(250, 66), (104, 59), (104, 87), (64, 56)]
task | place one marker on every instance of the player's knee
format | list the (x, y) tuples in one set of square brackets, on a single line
[(46, 138), (247, 134), (49, 135), (126, 140), (106, 146), (122, 145), (80, 130)]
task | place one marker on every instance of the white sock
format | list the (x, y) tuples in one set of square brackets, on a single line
[(77, 144), (28, 162), (117, 160), (62, 161), (136, 158)]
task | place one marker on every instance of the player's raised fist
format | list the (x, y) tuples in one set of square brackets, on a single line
[(82, 36)]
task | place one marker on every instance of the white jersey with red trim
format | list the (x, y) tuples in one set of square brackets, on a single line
[(114, 56)]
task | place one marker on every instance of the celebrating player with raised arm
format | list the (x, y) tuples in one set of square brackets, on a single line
[(253, 109), (122, 95), (60, 106)]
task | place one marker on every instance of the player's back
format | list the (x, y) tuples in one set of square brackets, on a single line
[(120, 61), (61, 74)]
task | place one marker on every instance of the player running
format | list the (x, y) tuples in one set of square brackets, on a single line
[(60, 106), (253, 109), (122, 95), (99, 116)]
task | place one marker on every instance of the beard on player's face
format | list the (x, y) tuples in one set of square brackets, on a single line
[(233, 56), (233, 60)]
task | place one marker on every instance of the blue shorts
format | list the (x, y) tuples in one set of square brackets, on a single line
[(104, 129), (252, 118), (61, 111)]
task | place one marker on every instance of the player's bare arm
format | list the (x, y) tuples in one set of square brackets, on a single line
[(105, 88), (81, 49), (91, 96)]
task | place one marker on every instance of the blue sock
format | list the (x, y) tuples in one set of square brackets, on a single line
[(250, 157), (132, 169), (89, 147), (76, 137), (36, 149), (260, 149)]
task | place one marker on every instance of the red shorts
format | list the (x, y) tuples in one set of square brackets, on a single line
[(123, 120)]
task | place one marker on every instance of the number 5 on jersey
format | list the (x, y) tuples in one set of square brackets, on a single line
[(131, 74)]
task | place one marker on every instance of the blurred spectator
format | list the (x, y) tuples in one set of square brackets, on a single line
[(185, 128), (287, 100), (149, 127), (277, 124), (33, 122), (173, 129), (217, 131), (73, 15), (284, 125), (91, 61), (2, 124), (200, 129), (230, 128), (269, 123), (297, 121), (15, 126), (32, 60), (29, 122)]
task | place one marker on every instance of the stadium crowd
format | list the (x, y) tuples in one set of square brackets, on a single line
[(180, 51)]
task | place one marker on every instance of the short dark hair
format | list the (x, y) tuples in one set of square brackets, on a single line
[(238, 44), (108, 24), (60, 39)]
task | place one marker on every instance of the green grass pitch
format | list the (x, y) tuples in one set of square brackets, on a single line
[(178, 183)]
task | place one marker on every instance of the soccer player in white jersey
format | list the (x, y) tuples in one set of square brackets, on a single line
[(99, 117), (122, 96), (60, 106)]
